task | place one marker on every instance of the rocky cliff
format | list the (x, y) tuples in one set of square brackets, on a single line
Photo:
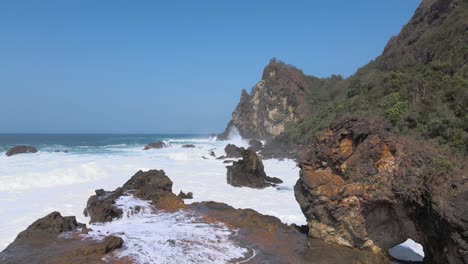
[(362, 186), (277, 100)]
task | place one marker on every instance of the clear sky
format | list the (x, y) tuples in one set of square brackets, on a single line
[(170, 66)]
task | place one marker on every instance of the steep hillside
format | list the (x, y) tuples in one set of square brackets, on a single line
[(419, 83)]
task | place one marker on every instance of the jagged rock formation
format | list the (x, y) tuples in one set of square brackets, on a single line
[(20, 150), (55, 239), (188, 146), (275, 101), (249, 172), (155, 145), (233, 151), (151, 185), (362, 186)]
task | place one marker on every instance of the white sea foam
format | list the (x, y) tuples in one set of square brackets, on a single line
[(33, 185), (408, 251), (154, 237)]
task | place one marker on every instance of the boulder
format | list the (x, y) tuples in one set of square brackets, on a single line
[(20, 150), (151, 185), (155, 145), (57, 239), (188, 146), (255, 144), (233, 151), (249, 172), (364, 187)]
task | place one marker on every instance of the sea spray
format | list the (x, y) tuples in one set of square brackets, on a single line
[(37, 184), (160, 237)]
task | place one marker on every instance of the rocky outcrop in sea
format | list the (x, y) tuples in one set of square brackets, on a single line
[(155, 145), (22, 149), (249, 172)]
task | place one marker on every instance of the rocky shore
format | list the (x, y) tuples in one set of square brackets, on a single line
[(265, 239)]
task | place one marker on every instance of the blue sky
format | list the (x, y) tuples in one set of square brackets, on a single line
[(170, 66)]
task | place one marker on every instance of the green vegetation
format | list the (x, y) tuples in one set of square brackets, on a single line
[(419, 100)]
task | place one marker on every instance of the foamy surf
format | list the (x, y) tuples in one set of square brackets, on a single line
[(34, 185), (160, 237)]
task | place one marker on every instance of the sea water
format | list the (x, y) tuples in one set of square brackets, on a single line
[(33, 185)]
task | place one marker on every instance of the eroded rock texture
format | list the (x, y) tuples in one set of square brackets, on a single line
[(249, 172), (275, 101), (361, 186)]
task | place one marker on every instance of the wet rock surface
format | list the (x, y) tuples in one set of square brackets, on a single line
[(155, 145), (22, 149), (271, 241), (361, 186), (151, 185), (249, 172), (233, 151), (57, 239), (188, 146)]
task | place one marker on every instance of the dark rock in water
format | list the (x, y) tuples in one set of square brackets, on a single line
[(249, 172), (43, 242), (255, 144), (221, 157), (101, 207), (109, 243), (151, 185), (155, 145), (183, 195), (188, 146), (58, 150), (204, 157), (20, 150), (212, 153), (233, 151), (228, 161), (363, 186)]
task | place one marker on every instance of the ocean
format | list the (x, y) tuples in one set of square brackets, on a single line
[(33, 185)]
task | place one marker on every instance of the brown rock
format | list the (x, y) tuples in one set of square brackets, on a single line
[(249, 172), (57, 240), (151, 185), (155, 145), (20, 150), (233, 151), (363, 187)]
